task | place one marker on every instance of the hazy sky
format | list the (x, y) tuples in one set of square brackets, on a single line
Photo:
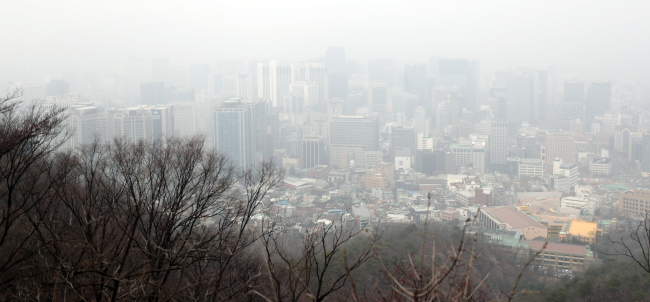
[(70, 34)]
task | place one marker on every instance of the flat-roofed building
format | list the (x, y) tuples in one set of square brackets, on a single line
[(561, 256), (511, 219), (531, 167), (635, 202), (583, 231)]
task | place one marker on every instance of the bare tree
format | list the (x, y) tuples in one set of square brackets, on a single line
[(635, 244), (152, 221), (29, 136), (312, 269), (456, 279)]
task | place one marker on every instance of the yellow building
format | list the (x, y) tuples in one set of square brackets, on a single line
[(554, 228), (584, 231)]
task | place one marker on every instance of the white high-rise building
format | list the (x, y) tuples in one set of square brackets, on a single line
[(133, 124), (311, 72), (273, 80), (88, 124), (308, 90), (184, 117), (478, 160), (498, 143), (244, 85)]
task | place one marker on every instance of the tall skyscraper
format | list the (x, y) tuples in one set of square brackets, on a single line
[(184, 117), (311, 72), (162, 122), (244, 84), (273, 80), (308, 91), (498, 143), (133, 124), (599, 98), (312, 152), (378, 96), (87, 125), (198, 76), (403, 138), (153, 93), (352, 133), (234, 133), (335, 59), (416, 81), (645, 157), (559, 145)]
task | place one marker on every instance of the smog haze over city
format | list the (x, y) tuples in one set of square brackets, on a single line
[(309, 150)]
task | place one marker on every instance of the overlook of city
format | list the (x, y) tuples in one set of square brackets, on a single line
[(339, 151)]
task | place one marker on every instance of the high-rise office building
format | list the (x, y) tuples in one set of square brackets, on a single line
[(478, 160), (234, 133), (378, 96), (87, 124), (416, 80), (599, 98), (420, 120), (244, 85), (273, 80), (404, 137), (308, 91), (153, 93), (184, 117), (311, 72), (133, 124), (335, 59), (353, 133), (645, 145), (559, 145), (498, 143), (160, 70), (162, 122), (573, 106), (312, 152)]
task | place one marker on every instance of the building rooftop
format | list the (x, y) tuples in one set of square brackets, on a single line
[(583, 228), (514, 218), (557, 247)]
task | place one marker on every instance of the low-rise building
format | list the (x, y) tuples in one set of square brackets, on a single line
[(574, 202), (511, 219), (448, 215), (635, 202), (465, 197), (531, 167), (583, 231), (600, 166), (561, 256)]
